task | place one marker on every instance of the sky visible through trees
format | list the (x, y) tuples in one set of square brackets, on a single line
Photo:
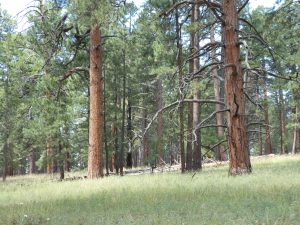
[(110, 86)]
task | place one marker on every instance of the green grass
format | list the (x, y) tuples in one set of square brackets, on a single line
[(270, 195)]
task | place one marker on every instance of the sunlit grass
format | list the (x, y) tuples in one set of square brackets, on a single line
[(270, 195)]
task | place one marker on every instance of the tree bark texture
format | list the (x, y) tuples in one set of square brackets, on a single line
[(237, 134), (95, 169)]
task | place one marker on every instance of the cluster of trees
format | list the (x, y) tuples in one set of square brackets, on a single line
[(103, 84)]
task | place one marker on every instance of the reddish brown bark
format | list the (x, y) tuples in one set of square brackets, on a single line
[(237, 134), (95, 169)]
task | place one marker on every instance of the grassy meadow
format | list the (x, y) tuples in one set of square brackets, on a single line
[(270, 195)]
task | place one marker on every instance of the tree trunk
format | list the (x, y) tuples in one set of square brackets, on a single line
[(181, 96), (268, 149), (95, 169), (220, 151), (145, 144), (159, 127), (61, 161), (104, 125), (49, 157), (295, 111), (121, 156), (129, 134), (281, 115), (197, 165), (237, 133), (5, 159), (31, 159)]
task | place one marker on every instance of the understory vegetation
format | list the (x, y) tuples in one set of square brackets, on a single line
[(271, 195)]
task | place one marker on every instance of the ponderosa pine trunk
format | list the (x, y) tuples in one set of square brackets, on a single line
[(145, 141), (95, 169), (104, 125), (121, 156), (31, 160), (220, 151), (234, 92), (295, 110), (268, 149), (61, 161), (189, 145), (281, 117), (197, 165), (49, 157), (159, 127), (180, 88)]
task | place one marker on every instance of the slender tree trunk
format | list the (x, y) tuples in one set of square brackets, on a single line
[(295, 111), (68, 160), (281, 115), (159, 127), (180, 75), (197, 165), (5, 159), (104, 125), (268, 149), (234, 92), (115, 131), (296, 131), (220, 152), (129, 134), (145, 144), (49, 157), (189, 145), (95, 169), (121, 156), (61, 161), (31, 159)]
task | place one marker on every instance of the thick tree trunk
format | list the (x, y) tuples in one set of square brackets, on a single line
[(180, 75), (220, 151), (95, 169), (237, 133), (159, 127)]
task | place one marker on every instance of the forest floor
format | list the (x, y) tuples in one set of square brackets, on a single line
[(270, 195)]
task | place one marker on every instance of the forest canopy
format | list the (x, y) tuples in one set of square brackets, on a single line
[(105, 86)]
